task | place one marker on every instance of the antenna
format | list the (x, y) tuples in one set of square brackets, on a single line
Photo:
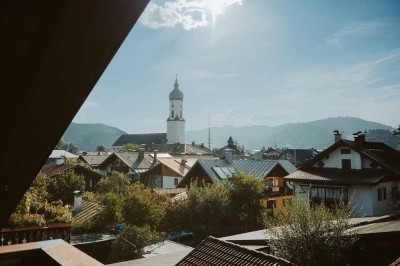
[(209, 133)]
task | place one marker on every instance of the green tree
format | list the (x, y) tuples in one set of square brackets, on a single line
[(130, 242), (101, 148), (112, 208), (208, 204), (177, 216), (117, 182), (129, 147), (61, 145), (34, 209), (62, 185), (70, 147), (396, 131), (39, 188), (246, 195), (142, 207), (311, 235)]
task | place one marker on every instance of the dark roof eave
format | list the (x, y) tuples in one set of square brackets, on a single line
[(332, 182)]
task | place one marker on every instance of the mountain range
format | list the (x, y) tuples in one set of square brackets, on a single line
[(88, 136), (315, 134)]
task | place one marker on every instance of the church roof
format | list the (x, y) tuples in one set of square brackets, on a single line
[(147, 139), (176, 94)]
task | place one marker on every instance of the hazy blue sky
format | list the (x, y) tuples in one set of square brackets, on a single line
[(249, 62)]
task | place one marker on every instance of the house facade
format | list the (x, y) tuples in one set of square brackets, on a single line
[(91, 177), (167, 172), (131, 163), (368, 173), (271, 172)]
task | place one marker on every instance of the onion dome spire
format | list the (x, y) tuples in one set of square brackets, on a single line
[(176, 94)]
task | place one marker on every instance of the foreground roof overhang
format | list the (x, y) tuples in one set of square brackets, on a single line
[(52, 55)]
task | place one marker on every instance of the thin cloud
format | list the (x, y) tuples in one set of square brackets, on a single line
[(356, 29), (352, 90), (205, 75), (190, 14), (368, 74)]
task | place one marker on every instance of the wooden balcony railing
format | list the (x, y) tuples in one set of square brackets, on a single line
[(27, 234)]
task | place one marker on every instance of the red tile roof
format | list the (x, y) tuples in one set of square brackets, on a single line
[(52, 168), (89, 210)]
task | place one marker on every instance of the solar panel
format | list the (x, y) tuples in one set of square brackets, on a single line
[(227, 171), (219, 172)]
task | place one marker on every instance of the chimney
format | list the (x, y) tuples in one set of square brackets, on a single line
[(59, 161), (359, 141), (338, 136), (141, 153), (155, 155), (77, 201), (228, 156), (184, 159), (257, 155)]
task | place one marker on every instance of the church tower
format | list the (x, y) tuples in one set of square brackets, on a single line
[(175, 121)]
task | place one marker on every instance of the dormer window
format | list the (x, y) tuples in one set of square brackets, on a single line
[(346, 164)]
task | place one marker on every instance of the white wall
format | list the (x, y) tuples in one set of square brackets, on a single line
[(362, 200), (335, 159), (176, 131), (385, 206), (178, 107), (168, 181)]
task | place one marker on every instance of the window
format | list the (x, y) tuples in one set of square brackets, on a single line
[(176, 181), (345, 151), (172, 114), (346, 164), (329, 192), (395, 192), (90, 183), (270, 182), (381, 193), (271, 204)]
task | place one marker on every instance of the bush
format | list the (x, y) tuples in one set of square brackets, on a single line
[(28, 219), (130, 243), (311, 235)]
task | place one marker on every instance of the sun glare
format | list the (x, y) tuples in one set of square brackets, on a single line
[(217, 7)]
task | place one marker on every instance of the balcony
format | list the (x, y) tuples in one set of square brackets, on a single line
[(27, 234)]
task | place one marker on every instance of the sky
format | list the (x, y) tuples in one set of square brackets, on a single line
[(253, 62)]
